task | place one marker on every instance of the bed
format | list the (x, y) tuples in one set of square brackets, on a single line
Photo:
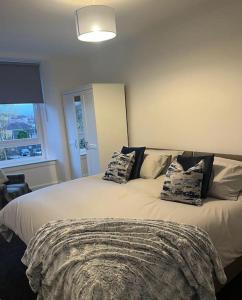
[(93, 197)]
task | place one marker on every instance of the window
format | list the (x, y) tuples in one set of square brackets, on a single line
[(80, 123), (20, 132)]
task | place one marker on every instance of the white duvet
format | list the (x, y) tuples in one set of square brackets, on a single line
[(93, 197)]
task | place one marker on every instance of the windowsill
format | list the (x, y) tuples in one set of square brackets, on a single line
[(12, 164)]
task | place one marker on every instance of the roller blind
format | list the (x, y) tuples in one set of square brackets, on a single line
[(20, 83)]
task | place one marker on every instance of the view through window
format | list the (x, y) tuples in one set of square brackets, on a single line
[(19, 136), (80, 122)]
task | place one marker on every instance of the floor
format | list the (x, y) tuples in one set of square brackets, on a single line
[(14, 284), (233, 291), (13, 281)]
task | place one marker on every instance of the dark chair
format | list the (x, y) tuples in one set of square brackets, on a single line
[(13, 188)]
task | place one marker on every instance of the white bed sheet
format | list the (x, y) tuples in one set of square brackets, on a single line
[(93, 197)]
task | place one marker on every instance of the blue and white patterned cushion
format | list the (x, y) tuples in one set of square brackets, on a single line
[(120, 167), (183, 186)]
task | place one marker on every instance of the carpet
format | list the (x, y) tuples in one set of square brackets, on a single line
[(13, 281)]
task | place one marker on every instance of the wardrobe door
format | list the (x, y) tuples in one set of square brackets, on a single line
[(91, 132), (72, 134)]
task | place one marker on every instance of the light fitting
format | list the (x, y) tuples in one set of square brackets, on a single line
[(95, 23)]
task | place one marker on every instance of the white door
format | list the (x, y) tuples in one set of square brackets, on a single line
[(90, 133), (72, 135)]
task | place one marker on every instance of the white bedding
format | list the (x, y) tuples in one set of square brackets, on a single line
[(93, 197)]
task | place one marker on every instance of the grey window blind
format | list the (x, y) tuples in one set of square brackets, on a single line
[(20, 83)]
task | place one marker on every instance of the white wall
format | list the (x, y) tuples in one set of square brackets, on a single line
[(183, 80), (110, 114), (58, 75), (38, 175)]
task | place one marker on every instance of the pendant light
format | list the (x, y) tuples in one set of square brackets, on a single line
[(95, 23)]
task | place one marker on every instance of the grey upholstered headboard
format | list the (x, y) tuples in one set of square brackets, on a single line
[(196, 153), (229, 156), (186, 153)]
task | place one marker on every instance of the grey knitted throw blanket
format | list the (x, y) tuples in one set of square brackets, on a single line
[(122, 259)]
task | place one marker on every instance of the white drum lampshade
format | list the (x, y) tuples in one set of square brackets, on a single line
[(95, 23)]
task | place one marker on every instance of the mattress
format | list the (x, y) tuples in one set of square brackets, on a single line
[(92, 197)]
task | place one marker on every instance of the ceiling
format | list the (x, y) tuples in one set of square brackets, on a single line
[(47, 27)]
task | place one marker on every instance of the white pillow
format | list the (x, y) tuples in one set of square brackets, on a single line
[(3, 177), (153, 165), (227, 179)]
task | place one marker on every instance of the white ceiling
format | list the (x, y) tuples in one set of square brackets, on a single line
[(47, 27)]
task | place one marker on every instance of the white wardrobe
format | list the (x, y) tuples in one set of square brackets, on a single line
[(96, 126)]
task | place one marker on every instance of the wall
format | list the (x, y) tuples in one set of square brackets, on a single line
[(110, 120), (58, 74), (38, 175), (183, 80)]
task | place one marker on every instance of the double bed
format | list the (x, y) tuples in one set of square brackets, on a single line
[(92, 197)]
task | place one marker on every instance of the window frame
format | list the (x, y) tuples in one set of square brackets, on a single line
[(28, 141)]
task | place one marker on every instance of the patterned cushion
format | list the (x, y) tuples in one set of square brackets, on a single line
[(183, 186), (120, 166), (187, 162)]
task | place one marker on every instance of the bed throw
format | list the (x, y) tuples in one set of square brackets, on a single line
[(122, 259)]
